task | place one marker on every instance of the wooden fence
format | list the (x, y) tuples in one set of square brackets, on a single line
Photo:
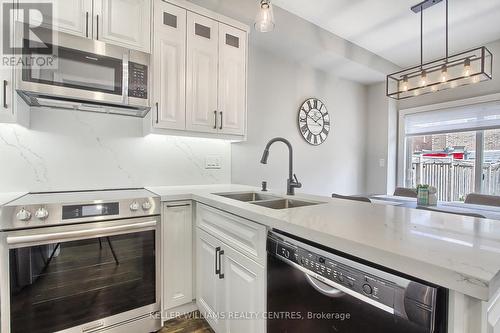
[(454, 179)]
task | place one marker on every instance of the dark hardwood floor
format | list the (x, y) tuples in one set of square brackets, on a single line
[(189, 323)]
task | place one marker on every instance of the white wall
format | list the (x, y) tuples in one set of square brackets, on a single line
[(69, 150), (381, 143), (276, 89)]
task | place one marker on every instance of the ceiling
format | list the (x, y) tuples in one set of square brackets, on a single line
[(391, 30), (298, 40)]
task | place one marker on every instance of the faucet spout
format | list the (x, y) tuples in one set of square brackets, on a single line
[(292, 182)]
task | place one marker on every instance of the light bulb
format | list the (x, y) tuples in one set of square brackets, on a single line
[(405, 83), (444, 73), (264, 22), (423, 79), (467, 67)]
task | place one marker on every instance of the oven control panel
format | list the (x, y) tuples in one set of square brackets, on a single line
[(50, 214), (138, 80), (361, 282)]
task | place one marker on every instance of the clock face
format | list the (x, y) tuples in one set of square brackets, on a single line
[(314, 121)]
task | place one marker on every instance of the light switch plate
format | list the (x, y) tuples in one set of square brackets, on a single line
[(213, 162)]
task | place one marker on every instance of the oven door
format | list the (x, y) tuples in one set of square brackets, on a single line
[(82, 278)]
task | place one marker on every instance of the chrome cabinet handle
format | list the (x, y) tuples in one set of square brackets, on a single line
[(221, 120), (87, 24), (217, 268), (215, 119), (175, 206), (157, 112), (5, 94), (97, 28)]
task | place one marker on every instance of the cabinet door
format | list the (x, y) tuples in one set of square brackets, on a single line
[(244, 292), (6, 82), (177, 251), (202, 63), (232, 80), (208, 284), (169, 66), (73, 17), (125, 23)]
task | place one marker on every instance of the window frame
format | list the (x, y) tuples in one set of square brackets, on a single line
[(402, 157)]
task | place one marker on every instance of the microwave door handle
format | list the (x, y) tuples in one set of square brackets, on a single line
[(58, 237), (125, 78)]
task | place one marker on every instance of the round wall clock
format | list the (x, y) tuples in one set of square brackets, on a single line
[(314, 121)]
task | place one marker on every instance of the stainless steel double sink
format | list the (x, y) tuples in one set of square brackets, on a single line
[(267, 200)]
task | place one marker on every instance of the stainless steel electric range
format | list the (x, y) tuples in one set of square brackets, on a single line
[(81, 261)]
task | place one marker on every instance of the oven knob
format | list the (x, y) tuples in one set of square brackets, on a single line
[(341, 278), (23, 215), (367, 289), (41, 213), (146, 205), (134, 206)]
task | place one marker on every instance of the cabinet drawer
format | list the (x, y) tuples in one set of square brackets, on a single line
[(246, 236)]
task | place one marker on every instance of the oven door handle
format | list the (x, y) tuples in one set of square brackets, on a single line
[(79, 234), (323, 288)]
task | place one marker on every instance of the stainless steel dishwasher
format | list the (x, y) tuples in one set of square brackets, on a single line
[(314, 289)]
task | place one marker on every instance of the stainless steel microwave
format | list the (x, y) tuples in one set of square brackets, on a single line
[(88, 75)]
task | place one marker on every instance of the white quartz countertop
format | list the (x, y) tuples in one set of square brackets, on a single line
[(457, 252), (5, 198)]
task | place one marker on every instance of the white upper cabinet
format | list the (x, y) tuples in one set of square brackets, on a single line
[(123, 22), (169, 66), (6, 95), (199, 70), (73, 17), (202, 73), (232, 80)]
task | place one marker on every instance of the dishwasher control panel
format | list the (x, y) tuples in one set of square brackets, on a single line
[(332, 270)]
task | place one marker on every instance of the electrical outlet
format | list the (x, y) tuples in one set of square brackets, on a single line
[(213, 162), (381, 162)]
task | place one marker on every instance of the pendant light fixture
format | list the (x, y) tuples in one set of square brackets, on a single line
[(452, 71), (264, 22)]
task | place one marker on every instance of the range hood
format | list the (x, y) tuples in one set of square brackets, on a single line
[(42, 101)]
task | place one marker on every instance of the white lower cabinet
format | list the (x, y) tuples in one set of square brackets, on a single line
[(177, 249), (230, 287), (244, 293), (209, 288)]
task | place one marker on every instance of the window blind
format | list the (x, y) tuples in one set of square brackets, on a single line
[(457, 119)]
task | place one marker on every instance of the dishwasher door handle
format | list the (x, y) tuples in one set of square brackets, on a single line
[(323, 288)]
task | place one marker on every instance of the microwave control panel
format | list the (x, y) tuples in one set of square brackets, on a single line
[(138, 80)]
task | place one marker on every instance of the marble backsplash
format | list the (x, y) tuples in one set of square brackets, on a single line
[(70, 150)]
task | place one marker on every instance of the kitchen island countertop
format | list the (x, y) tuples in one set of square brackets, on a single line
[(457, 252)]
